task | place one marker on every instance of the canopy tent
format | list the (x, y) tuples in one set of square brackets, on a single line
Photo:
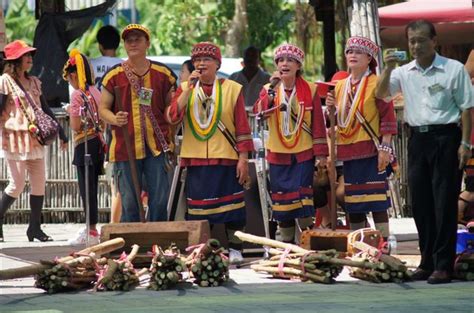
[(453, 19)]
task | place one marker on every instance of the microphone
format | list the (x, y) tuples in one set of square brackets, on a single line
[(274, 82), (194, 80)]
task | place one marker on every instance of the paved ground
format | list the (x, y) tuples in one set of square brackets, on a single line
[(248, 291)]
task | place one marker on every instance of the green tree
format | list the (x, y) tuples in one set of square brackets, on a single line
[(20, 22)]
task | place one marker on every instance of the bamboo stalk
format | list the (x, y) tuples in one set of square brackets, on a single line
[(292, 271), (269, 242)]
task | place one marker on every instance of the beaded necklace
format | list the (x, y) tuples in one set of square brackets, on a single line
[(203, 112), (350, 104), (289, 128)]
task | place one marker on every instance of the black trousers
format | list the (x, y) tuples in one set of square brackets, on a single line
[(94, 172), (434, 181)]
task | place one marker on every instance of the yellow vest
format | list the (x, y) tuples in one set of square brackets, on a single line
[(216, 147), (305, 141), (369, 111)]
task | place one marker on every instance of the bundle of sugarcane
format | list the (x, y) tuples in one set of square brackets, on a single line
[(464, 267), (378, 267), (208, 265), (321, 266), (120, 275), (292, 261), (166, 268), (75, 274), (34, 269)]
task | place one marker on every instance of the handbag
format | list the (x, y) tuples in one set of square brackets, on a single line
[(43, 127)]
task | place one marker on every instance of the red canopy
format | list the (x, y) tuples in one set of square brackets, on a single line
[(453, 19)]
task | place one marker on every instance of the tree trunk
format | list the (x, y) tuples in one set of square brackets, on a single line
[(238, 29)]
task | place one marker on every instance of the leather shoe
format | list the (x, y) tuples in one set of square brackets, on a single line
[(421, 274), (439, 277)]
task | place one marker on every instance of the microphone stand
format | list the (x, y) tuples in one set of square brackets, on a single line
[(87, 162)]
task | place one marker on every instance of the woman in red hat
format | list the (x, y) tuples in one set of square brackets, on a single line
[(24, 154), (297, 140), (365, 126)]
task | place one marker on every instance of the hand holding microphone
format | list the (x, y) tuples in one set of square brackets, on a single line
[(274, 82), (194, 78)]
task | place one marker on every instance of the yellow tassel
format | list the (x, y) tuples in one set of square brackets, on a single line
[(81, 73)]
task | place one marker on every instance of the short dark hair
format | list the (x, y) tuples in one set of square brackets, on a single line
[(109, 37), (190, 66), (420, 24)]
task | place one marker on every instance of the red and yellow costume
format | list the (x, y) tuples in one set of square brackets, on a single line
[(160, 79)]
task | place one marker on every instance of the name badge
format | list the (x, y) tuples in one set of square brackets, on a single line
[(435, 88), (145, 95)]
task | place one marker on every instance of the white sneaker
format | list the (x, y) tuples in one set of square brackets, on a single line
[(235, 256), (81, 238)]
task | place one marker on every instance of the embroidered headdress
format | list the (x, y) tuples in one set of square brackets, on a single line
[(365, 45), (290, 51), (206, 49)]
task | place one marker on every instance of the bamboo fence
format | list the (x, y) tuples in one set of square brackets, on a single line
[(62, 202)]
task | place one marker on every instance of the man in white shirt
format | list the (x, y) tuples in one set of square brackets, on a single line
[(437, 92), (108, 39), (251, 77)]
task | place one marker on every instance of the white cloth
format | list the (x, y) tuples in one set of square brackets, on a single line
[(436, 95), (251, 89)]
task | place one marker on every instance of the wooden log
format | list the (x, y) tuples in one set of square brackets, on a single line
[(391, 261), (269, 242), (310, 268), (105, 247), (34, 269), (293, 272), (133, 253)]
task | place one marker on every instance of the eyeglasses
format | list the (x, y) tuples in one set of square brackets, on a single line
[(203, 59)]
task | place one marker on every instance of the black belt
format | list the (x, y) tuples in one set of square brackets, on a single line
[(431, 128)]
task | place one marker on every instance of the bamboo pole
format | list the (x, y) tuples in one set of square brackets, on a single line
[(293, 272), (30, 270), (269, 242)]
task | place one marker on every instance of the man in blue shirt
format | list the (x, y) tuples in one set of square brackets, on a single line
[(437, 92)]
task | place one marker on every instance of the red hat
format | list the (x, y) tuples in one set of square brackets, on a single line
[(16, 49), (206, 49), (365, 45), (290, 51), (323, 87), (136, 27)]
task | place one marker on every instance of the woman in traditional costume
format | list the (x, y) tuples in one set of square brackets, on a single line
[(216, 142), (365, 126), (85, 123), (296, 142)]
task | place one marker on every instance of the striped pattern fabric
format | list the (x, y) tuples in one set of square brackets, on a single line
[(214, 194), (469, 168), (291, 189), (159, 78), (366, 190)]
